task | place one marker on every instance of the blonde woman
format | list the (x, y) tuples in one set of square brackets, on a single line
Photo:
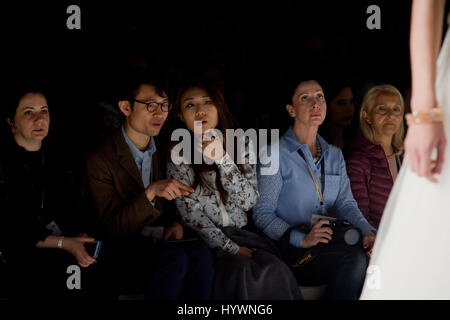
[(377, 153)]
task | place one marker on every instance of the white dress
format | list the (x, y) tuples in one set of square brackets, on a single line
[(411, 256)]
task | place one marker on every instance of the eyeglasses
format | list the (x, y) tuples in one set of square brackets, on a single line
[(383, 110), (153, 106)]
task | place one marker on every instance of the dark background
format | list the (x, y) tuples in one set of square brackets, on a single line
[(250, 45)]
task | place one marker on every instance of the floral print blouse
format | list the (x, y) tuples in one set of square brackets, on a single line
[(203, 210)]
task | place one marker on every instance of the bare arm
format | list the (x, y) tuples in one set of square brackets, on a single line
[(422, 139), (425, 40), (73, 245)]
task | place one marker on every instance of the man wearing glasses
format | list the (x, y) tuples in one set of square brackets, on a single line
[(126, 179)]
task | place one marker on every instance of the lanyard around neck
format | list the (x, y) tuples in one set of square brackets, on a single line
[(316, 183)]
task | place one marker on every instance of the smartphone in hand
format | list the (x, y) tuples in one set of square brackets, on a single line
[(94, 248)]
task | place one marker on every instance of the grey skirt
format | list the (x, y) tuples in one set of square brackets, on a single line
[(263, 277)]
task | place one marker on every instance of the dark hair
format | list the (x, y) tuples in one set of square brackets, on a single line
[(226, 118), (132, 81), (333, 87), (226, 121), (290, 83), (16, 94)]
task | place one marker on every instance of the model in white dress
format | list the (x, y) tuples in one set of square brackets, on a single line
[(411, 256)]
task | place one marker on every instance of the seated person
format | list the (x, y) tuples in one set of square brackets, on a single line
[(41, 204), (247, 265), (337, 127), (377, 153), (128, 190), (311, 179)]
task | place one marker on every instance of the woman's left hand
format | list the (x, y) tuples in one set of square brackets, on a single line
[(368, 241)]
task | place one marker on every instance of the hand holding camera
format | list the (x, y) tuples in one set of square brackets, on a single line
[(329, 230), (368, 242), (320, 233)]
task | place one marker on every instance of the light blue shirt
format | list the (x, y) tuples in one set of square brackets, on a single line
[(143, 159), (289, 198)]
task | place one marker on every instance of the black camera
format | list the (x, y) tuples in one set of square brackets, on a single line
[(344, 232)]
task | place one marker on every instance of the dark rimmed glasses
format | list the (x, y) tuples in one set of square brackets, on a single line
[(153, 106)]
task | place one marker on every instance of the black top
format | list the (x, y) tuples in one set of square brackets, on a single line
[(37, 188)]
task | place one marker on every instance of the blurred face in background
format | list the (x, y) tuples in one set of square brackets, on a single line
[(31, 121), (341, 108)]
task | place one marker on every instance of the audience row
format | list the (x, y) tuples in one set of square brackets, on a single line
[(190, 230)]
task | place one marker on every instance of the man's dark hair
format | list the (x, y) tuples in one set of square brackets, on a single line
[(132, 82)]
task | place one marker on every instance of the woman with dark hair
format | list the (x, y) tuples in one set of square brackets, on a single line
[(247, 265), (40, 204), (309, 188), (337, 127)]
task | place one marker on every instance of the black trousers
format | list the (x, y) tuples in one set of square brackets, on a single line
[(340, 266), (170, 271), (51, 273)]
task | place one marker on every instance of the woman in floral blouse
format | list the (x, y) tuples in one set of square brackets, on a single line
[(246, 264)]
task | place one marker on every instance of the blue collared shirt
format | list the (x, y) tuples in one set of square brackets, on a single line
[(143, 159), (289, 197)]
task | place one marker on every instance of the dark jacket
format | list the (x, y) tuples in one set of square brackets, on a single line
[(370, 178), (118, 192), (37, 188)]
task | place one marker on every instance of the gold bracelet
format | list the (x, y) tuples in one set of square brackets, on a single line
[(433, 115)]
